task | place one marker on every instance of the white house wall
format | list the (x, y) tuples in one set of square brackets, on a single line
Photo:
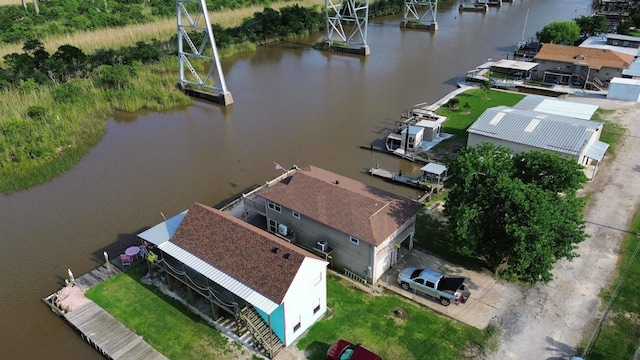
[(309, 287)]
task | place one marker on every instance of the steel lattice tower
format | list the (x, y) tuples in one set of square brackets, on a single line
[(347, 22), (421, 20), (209, 85)]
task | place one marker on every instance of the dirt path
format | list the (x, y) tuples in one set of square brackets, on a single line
[(548, 321)]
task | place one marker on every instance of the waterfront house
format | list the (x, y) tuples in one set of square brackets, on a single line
[(526, 130), (580, 66), (358, 228), (272, 288)]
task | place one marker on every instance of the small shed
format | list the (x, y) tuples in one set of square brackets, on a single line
[(434, 173), (432, 128), (624, 89)]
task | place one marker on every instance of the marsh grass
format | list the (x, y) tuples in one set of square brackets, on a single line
[(113, 38), (35, 149)]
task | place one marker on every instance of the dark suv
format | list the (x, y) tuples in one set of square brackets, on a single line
[(344, 350)]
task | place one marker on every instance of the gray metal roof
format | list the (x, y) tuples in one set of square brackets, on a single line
[(226, 281), (557, 107), (163, 231), (556, 133), (596, 150), (633, 70), (434, 168)]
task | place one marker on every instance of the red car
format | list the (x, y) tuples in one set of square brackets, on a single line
[(344, 350)]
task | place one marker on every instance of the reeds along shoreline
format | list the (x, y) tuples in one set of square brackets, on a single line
[(35, 149), (91, 41)]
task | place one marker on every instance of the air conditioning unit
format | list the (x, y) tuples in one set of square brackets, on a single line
[(282, 229), (322, 245)]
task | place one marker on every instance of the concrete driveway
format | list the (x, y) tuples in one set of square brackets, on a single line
[(486, 292)]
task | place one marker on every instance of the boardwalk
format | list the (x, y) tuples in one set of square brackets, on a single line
[(101, 330)]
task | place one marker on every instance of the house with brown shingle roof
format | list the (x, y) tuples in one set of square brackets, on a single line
[(275, 289), (355, 226), (580, 66)]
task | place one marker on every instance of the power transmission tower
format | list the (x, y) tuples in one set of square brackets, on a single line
[(194, 30), (423, 14), (347, 22)]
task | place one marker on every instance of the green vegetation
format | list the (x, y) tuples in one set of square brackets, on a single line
[(592, 25), (559, 32), (179, 334), (612, 133), (165, 323), (55, 105), (619, 336), (45, 130), (473, 103), (520, 213), (57, 17)]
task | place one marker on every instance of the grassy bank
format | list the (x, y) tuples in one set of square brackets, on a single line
[(178, 334), (90, 41), (620, 333), (47, 130)]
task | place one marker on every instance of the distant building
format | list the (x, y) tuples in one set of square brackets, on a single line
[(526, 130), (580, 66)]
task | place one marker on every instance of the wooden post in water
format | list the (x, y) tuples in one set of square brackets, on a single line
[(107, 263), (71, 279)]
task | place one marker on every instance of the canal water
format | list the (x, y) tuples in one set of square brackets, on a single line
[(293, 105)]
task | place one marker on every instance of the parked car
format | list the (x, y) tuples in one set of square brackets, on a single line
[(433, 284), (344, 350)]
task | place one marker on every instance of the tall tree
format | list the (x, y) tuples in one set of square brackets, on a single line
[(559, 32), (592, 25), (520, 213)]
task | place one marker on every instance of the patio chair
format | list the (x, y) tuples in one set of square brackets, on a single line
[(126, 260)]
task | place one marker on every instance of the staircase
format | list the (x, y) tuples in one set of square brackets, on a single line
[(265, 340)]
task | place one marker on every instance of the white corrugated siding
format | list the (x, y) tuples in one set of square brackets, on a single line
[(624, 89), (219, 277)]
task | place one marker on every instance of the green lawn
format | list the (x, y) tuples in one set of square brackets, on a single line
[(354, 315), (361, 318), (472, 104)]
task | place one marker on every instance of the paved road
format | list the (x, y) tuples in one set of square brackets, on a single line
[(548, 321)]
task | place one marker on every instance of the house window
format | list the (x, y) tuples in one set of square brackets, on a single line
[(625, 43), (296, 324), (316, 306), (615, 42), (317, 279), (273, 226), (273, 206), (355, 241), (295, 215)]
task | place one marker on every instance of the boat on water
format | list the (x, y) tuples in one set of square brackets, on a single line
[(432, 177)]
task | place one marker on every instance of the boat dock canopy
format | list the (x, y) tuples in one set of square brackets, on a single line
[(434, 168)]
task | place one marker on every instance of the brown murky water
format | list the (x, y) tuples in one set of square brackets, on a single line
[(293, 105)]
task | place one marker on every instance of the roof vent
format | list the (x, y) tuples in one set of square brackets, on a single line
[(337, 182), (275, 250), (286, 256)]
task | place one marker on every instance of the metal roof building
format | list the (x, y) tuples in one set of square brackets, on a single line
[(555, 106), (526, 130)]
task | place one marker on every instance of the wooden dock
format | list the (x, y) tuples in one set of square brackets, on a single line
[(96, 326), (405, 180)]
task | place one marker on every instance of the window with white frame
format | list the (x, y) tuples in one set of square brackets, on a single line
[(317, 279), (295, 214), (316, 306), (273, 206), (355, 241), (296, 323)]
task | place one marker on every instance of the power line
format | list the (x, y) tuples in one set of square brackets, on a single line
[(610, 304)]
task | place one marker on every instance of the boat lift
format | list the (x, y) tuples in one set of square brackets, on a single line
[(422, 13)]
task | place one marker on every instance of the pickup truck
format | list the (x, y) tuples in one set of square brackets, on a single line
[(433, 284)]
